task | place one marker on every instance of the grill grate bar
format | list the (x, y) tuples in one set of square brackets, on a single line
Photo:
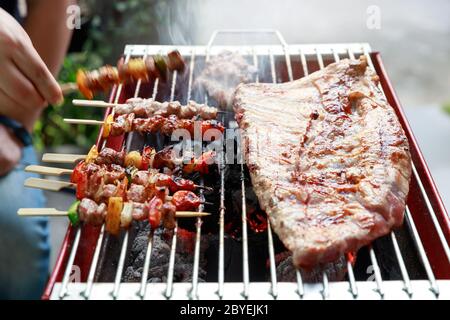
[(319, 59), (76, 242), (273, 270), (351, 275), (98, 245), (377, 272), (410, 220), (191, 75), (118, 278), (198, 233), (423, 256), (148, 255), (335, 55), (123, 251), (325, 291), (401, 263), (325, 286), (93, 267), (245, 263), (148, 252), (350, 272), (197, 246), (221, 271), (67, 272), (300, 288), (351, 55), (432, 214), (173, 248), (222, 210), (255, 63), (287, 57), (351, 279), (304, 63), (172, 88), (272, 67)]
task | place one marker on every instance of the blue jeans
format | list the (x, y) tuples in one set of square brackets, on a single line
[(24, 246)]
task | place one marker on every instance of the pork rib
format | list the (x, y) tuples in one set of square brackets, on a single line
[(328, 159)]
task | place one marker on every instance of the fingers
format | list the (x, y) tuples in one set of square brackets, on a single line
[(31, 65), (10, 151), (18, 109), (19, 87)]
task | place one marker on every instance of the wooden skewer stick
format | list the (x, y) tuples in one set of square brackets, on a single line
[(84, 121), (52, 171), (56, 185), (38, 212), (51, 185), (62, 157), (93, 103), (52, 212), (103, 104)]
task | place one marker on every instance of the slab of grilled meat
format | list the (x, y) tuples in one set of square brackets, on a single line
[(328, 159)]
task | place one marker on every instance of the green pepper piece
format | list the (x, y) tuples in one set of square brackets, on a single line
[(72, 213), (161, 64), (130, 172)]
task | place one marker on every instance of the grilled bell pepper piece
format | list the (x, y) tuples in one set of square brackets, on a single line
[(79, 177), (82, 85), (115, 206), (133, 158), (92, 155), (72, 213), (161, 65), (154, 212), (130, 173), (107, 126), (121, 190), (126, 215), (147, 158)]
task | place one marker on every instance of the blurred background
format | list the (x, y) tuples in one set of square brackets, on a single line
[(413, 37)]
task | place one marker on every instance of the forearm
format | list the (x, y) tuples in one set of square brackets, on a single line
[(46, 26)]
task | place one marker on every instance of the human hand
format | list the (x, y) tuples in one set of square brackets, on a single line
[(26, 84), (10, 150)]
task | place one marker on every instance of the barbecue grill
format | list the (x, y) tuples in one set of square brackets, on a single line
[(410, 263)]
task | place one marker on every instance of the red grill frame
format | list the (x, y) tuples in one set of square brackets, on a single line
[(416, 202)]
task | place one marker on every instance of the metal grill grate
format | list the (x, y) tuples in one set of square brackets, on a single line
[(292, 58)]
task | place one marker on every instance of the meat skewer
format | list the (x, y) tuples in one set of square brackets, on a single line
[(145, 108), (154, 204), (174, 183), (149, 158), (128, 122), (116, 213), (110, 174), (103, 78), (183, 198)]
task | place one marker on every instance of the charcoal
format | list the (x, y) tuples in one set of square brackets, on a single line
[(159, 263)]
